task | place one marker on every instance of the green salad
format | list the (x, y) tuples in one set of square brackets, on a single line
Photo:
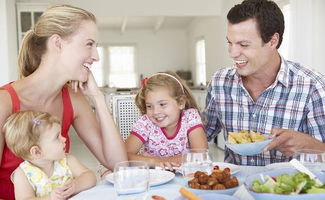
[(299, 183)]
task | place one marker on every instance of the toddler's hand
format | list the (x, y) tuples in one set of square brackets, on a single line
[(56, 194), (68, 188)]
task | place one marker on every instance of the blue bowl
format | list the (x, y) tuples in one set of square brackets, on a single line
[(212, 196), (270, 196), (229, 191), (248, 149)]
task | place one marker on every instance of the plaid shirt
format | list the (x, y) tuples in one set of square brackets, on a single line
[(296, 100)]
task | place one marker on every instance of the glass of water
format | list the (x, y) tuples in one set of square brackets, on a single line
[(131, 177), (314, 160), (196, 160)]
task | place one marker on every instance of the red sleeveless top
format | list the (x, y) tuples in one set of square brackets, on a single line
[(9, 161)]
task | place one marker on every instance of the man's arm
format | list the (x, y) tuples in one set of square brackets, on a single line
[(210, 117)]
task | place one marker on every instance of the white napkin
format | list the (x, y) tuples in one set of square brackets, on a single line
[(243, 194)]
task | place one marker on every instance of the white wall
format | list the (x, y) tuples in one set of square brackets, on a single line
[(307, 30), (213, 30), (4, 75), (8, 43), (318, 37), (214, 35), (165, 50)]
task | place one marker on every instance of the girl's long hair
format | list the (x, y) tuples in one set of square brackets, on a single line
[(177, 89)]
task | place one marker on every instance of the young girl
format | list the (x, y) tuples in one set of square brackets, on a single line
[(170, 125), (47, 172)]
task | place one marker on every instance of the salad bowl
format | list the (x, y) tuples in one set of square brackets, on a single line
[(274, 175)]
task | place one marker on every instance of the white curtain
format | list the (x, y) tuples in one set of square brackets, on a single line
[(122, 66), (307, 29), (98, 68), (200, 62)]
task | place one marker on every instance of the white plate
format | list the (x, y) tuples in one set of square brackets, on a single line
[(233, 168), (157, 177), (280, 165)]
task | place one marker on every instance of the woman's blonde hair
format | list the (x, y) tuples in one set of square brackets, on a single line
[(171, 81), (22, 130), (62, 20)]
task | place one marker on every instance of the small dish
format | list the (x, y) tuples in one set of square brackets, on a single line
[(229, 191), (248, 149), (212, 196)]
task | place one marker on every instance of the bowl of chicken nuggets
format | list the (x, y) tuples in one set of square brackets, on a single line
[(219, 181), (248, 143)]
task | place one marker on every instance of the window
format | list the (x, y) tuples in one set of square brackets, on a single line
[(122, 66), (98, 68), (27, 16), (200, 62), (284, 48), (121, 72)]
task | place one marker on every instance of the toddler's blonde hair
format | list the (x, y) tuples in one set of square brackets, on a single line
[(22, 130)]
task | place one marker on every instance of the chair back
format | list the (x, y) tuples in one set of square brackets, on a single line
[(125, 112)]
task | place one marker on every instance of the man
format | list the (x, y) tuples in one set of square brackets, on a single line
[(263, 92)]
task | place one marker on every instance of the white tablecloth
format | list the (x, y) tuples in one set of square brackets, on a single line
[(105, 190)]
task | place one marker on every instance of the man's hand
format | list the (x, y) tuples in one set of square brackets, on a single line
[(288, 141)]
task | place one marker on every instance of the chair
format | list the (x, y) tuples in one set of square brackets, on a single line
[(125, 112)]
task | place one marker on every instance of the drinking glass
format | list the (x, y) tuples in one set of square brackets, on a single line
[(196, 160), (131, 177), (312, 159)]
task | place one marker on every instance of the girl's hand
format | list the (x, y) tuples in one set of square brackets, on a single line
[(168, 165), (88, 88)]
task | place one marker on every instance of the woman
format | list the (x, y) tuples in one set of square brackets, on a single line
[(61, 48)]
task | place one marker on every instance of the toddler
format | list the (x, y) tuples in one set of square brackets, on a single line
[(47, 172)]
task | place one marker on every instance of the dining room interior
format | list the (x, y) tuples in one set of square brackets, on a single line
[(140, 38)]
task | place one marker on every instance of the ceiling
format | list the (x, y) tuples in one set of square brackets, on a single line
[(155, 23), (156, 15)]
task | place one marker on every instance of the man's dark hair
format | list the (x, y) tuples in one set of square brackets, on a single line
[(267, 14)]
